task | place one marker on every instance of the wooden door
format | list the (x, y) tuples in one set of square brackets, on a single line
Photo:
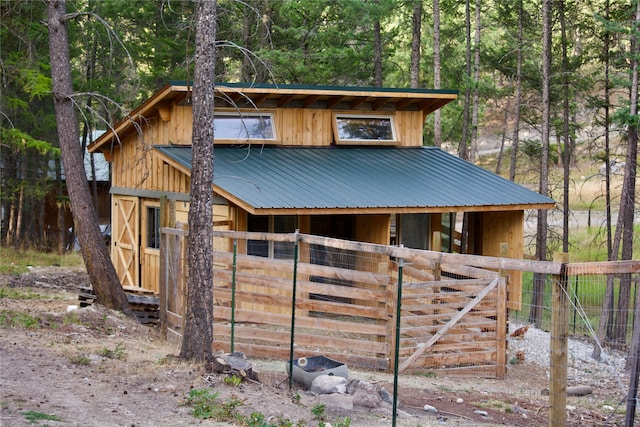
[(126, 239)]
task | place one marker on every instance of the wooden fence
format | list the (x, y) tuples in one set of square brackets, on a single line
[(453, 316)]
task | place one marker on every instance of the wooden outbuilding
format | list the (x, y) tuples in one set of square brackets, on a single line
[(58, 217), (343, 162)]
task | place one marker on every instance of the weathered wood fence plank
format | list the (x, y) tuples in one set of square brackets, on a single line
[(448, 326)]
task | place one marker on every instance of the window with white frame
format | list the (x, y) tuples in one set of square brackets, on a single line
[(364, 129), (244, 126)]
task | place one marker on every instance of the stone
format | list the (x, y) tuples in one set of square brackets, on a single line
[(517, 409), (328, 384), (386, 396), (336, 401), (431, 409), (365, 394)]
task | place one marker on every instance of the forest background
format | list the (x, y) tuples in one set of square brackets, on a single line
[(551, 83)]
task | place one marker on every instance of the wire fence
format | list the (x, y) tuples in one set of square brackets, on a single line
[(384, 307), (599, 312)]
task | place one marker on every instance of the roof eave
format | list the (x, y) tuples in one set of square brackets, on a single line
[(133, 118), (385, 210)]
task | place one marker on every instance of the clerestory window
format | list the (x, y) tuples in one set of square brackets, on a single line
[(364, 129), (244, 126)]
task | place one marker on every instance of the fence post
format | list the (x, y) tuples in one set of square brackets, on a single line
[(396, 357), (163, 282), (559, 344), (502, 317), (293, 306), (634, 358), (233, 293)]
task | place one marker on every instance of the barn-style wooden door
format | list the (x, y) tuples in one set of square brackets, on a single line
[(126, 239)]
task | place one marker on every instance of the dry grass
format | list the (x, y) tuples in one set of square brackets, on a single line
[(587, 187)]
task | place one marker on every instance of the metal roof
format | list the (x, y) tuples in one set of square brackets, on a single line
[(100, 164), (356, 178), (319, 88)]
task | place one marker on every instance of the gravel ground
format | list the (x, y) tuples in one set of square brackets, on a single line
[(582, 369)]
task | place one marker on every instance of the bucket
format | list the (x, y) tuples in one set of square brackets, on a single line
[(306, 369)]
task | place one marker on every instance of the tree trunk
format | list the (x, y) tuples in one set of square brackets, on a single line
[(437, 115), (19, 234), (566, 156), (628, 196), (60, 204), (607, 303), (377, 49), (94, 252), (473, 152), (518, 97), (416, 39), (198, 331), (248, 70), (537, 299), (463, 150), (505, 121)]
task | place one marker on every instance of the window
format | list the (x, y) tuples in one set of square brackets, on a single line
[(271, 224), (258, 247), (244, 126), (414, 230), (153, 227), (353, 129), (449, 241)]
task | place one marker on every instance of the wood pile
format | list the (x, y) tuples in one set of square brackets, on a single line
[(235, 363), (144, 304)]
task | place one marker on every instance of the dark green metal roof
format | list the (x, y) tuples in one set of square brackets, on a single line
[(319, 88), (357, 178)]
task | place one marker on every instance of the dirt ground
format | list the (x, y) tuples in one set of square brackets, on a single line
[(93, 367)]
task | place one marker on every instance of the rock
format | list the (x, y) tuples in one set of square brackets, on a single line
[(481, 413), (430, 408), (580, 390), (460, 400), (386, 396), (516, 409), (327, 384), (336, 401), (366, 395)]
